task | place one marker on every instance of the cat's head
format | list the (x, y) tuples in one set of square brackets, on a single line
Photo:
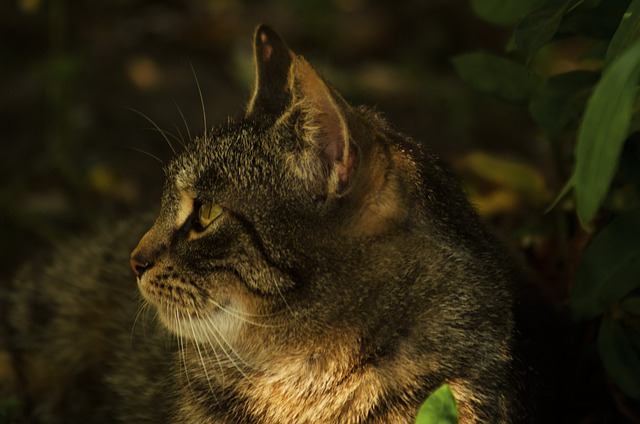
[(254, 209)]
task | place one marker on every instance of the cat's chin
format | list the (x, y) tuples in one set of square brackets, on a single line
[(202, 326)]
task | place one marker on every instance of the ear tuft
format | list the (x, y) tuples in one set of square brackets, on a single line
[(273, 60)]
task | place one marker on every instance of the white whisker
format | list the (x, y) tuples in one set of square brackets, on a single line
[(204, 365), (143, 305), (152, 122), (233, 351), (213, 348), (181, 140), (242, 316), (293, 315), (183, 120), (181, 347), (204, 112), (167, 133), (144, 152)]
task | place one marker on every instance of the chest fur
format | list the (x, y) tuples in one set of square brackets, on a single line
[(322, 387)]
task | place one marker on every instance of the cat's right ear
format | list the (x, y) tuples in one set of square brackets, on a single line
[(273, 59)]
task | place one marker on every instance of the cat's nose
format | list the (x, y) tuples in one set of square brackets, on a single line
[(139, 264), (146, 253)]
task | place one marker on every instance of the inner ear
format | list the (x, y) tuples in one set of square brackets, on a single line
[(273, 60), (326, 122)]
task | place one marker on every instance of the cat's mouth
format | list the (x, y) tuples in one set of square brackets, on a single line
[(165, 289), (187, 310)]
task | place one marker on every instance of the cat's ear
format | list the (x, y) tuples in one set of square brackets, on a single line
[(273, 60), (286, 82), (326, 130)]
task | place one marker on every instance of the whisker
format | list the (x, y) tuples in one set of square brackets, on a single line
[(145, 153), (218, 360), (181, 141), (204, 112), (181, 346), (293, 315), (152, 122), (141, 307), (235, 353), (183, 120), (197, 345), (168, 133), (242, 316)]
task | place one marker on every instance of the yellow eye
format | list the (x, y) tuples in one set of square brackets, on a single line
[(208, 213)]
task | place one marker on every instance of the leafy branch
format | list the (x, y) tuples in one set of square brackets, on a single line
[(594, 106)]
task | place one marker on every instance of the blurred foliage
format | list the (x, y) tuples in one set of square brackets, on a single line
[(75, 154), (491, 74), (586, 106), (439, 408), (502, 186), (8, 406)]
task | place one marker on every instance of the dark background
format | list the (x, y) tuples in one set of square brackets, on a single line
[(71, 71), (74, 73)]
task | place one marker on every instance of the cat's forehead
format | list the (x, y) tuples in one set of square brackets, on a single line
[(232, 155)]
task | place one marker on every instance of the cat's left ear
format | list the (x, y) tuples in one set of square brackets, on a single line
[(273, 60)]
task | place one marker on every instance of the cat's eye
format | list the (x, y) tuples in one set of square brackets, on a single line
[(208, 213)]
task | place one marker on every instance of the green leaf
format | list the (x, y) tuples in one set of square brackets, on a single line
[(439, 408), (539, 27), (561, 100), (603, 131), (596, 52), (504, 12), (610, 268), (619, 356), (599, 22), (496, 76), (565, 190), (628, 32)]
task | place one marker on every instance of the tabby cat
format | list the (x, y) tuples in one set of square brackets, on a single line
[(309, 264)]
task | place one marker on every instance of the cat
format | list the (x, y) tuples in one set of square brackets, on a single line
[(308, 264)]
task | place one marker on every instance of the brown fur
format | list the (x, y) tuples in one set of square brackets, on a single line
[(346, 279)]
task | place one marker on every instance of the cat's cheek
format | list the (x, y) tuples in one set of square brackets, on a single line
[(191, 312), (158, 287), (144, 288), (148, 291)]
